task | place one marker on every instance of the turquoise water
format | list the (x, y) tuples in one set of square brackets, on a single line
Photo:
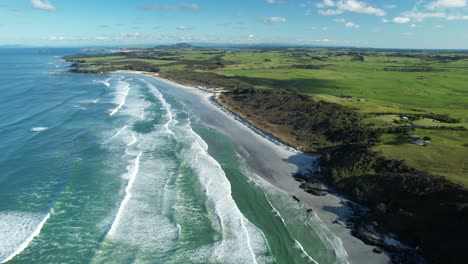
[(119, 169)]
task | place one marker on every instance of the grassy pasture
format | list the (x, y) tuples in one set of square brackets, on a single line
[(383, 85)]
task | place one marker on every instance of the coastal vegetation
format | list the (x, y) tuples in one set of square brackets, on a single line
[(390, 125)]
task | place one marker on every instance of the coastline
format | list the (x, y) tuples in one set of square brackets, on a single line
[(333, 209)]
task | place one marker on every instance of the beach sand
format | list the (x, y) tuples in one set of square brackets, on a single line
[(276, 163)]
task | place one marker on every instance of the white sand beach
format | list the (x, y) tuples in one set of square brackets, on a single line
[(276, 163)]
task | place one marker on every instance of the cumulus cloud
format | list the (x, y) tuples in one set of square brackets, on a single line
[(184, 28), (318, 28), (275, 1), (444, 4), (352, 25), (347, 24), (325, 3), (421, 16), (401, 20), (437, 10), (272, 20), (339, 20), (457, 17), (43, 5), (359, 7), (177, 7), (331, 7), (330, 12)]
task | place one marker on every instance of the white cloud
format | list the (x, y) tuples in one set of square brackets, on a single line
[(339, 20), (274, 20), (43, 5), (359, 7), (275, 1), (421, 16), (330, 7), (67, 38), (319, 28), (352, 25), (437, 9), (346, 23), (184, 28), (177, 7), (325, 3), (457, 17), (443, 4), (330, 12), (401, 20), (101, 38), (390, 6), (384, 20), (134, 35)]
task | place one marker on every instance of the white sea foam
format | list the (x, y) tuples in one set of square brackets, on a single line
[(241, 241), (123, 88), (168, 108), (119, 131), (313, 222), (107, 82), (39, 129), (326, 235), (134, 140), (140, 222), (17, 230), (179, 230), (301, 248), (297, 244), (132, 172)]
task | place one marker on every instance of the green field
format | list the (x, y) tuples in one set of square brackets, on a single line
[(383, 85)]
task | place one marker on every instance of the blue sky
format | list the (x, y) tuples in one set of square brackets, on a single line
[(369, 23)]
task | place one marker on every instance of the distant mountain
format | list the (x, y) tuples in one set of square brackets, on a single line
[(175, 46)]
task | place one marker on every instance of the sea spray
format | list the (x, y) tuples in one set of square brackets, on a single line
[(107, 82), (309, 221), (131, 174), (123, 88), (236, 243), (170, 116), (15, 219)]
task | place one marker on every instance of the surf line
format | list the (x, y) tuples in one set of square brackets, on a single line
[(165, 104), (122, 102), (297, 244), (134, 140), (26, 243), (201, 148), (106, 82), (119, 131), (132, 173)]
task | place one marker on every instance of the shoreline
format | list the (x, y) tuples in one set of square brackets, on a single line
[(334, 210)]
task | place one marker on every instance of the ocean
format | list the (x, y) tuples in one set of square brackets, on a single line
[(121, 168)]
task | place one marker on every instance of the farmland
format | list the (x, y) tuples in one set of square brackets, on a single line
[(385, 86)]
